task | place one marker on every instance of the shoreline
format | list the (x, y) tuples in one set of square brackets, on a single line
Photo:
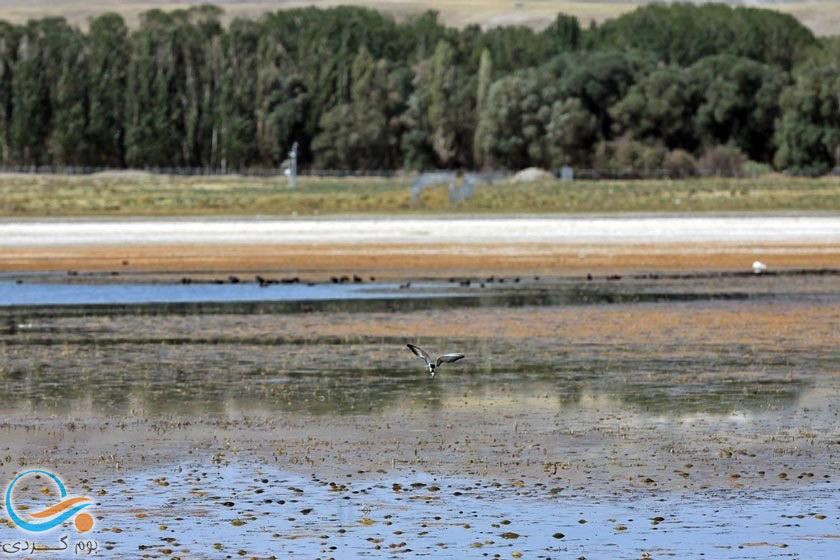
[(428, 247), (657, 403), (317, 262)]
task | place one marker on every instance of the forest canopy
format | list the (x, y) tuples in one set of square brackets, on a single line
[(665, 86)]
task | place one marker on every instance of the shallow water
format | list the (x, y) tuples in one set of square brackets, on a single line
[(198, 510), (679, 345), (52, 293), (708, 402)]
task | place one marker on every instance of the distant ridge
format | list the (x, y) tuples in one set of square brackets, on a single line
[(821, 16)]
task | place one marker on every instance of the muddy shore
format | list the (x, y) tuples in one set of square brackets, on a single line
[(601, 396)]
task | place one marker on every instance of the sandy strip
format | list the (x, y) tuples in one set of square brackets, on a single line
[(418, 260), (421, 247)]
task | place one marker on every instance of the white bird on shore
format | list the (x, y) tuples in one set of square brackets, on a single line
[(434, 364), (759, 267)]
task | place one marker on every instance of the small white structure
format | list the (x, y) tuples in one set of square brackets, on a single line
[(532, 175), (759, 267)]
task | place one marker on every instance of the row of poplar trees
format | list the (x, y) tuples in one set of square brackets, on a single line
[(358, 90)]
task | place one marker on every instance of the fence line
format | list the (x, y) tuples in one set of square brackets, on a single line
[(566, 173), (197, 171)]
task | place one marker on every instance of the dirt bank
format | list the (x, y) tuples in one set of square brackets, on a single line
[(318, 261)]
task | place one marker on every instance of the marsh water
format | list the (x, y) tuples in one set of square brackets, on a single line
[(659, 415), (299, 348), (197, 510), (221, 291)]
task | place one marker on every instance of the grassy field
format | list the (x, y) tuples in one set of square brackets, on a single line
[(823, 17), (142, 194)]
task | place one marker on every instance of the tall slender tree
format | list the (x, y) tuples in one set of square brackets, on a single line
[(282, 102), (108, 61), (485, 78), (236, 117), (68, 139), (49, 92), (154, 112), (8, 54)]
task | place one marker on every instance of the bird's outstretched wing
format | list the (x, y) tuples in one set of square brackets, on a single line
[(420, 352), (448, 358)]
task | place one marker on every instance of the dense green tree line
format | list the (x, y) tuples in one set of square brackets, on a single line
[(663, 86)]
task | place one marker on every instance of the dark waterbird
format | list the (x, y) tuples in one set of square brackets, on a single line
[(434, 364)]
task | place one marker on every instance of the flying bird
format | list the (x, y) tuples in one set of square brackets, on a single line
[(434, 364)]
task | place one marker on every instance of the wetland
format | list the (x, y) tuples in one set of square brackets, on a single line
[(650, 415)]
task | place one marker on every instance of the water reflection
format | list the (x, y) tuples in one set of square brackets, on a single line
[(122, 379), (348, 356)]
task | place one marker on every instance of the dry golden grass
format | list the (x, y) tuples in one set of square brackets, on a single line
[(143, 194), (822, 17)]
